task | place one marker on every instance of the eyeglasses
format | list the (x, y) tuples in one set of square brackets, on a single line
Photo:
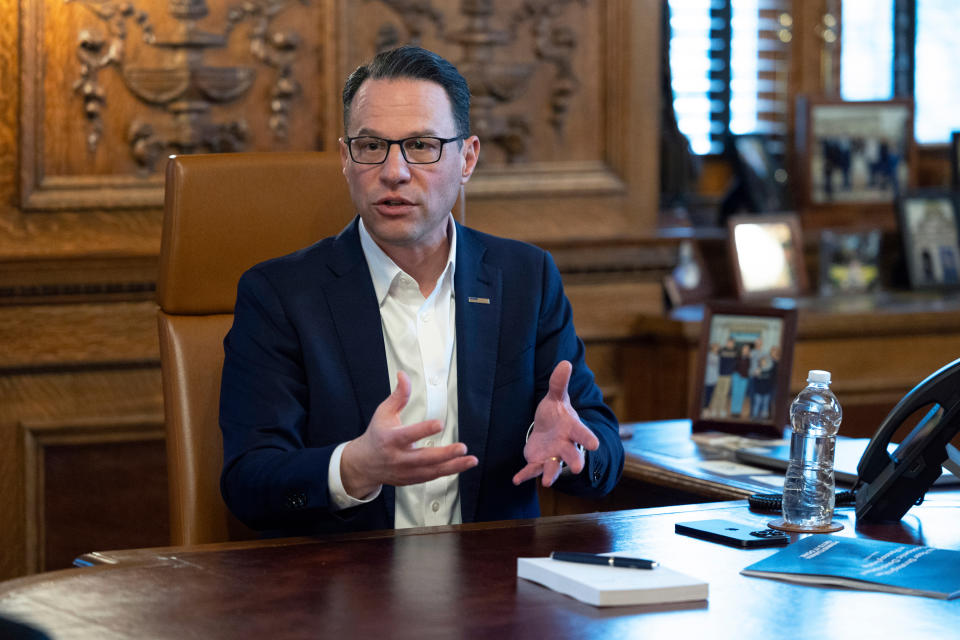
[(415, 150)]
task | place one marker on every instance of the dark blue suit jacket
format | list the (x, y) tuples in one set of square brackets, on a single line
[(305, 368)]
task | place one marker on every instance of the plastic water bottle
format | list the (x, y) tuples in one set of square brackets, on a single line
[(808, 491)]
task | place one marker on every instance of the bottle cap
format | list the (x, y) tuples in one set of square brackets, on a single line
[(817, 375)]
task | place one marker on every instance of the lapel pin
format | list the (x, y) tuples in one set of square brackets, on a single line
[(478, 300)]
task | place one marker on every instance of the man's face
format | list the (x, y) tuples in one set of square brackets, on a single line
[(401, 204)]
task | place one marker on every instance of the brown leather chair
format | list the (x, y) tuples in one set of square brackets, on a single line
[(223, 214)]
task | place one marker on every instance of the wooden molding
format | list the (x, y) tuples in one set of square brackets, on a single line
[(547, 179)]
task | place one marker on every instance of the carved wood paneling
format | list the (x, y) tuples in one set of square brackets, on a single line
[(596, 171), (106, 89)]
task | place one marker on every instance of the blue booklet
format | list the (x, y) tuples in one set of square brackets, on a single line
[(871, 565)]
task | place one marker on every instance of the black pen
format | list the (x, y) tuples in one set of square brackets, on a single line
[(610, 561)]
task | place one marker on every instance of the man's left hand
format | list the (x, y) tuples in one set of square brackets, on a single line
[(556, 432)]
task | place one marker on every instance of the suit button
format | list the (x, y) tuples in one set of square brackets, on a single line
[(596, 475), (296, 500)]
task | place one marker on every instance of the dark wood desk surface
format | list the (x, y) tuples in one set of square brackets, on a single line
[(460, 582), (662, 453)]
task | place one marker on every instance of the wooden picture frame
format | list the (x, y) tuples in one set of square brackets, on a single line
[(849, 261), (689, 281), (853, 157), (930, 233), (737, 339), (955, 160), (766, 253)]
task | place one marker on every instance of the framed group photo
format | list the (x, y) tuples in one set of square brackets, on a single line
[(743, 371), (928, 230), (854, 153), (766, 253)]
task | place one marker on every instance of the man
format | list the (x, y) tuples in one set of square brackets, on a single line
[(490, 385), (757, 353), (720, 402)]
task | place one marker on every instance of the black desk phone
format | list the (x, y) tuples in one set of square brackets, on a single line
[(888, 484)]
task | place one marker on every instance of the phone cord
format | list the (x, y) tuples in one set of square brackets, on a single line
[(773, 502)]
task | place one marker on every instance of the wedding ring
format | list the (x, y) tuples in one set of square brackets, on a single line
[(555, 459)]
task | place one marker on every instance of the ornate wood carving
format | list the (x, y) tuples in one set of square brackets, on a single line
[(91, 138), (185, 85), (547, 79), (496, 82)]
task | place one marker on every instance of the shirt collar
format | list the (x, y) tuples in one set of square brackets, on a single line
[(383, 270)]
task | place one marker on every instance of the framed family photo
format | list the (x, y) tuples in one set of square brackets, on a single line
[(854, 153), (849, 261), (743, 370), (767, 256), (929, 232)]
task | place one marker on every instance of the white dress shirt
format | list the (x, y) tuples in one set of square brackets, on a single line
[(419, 335)]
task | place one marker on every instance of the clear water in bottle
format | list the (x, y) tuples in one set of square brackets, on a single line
[(808, 490)]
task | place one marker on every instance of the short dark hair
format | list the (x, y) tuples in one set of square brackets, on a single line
[(418, 64)]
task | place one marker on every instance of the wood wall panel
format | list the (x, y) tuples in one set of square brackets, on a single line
[(9, 101), (78, 335), (74, 398), (93, 485), (61, 170)]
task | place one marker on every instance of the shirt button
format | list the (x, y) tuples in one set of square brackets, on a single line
[(435, 506), (428, 443), (427, 317), (434, 380)]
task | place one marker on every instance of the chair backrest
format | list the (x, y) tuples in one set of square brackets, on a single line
[(223, 213)]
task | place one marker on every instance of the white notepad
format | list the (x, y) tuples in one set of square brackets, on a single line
[(604, 586)]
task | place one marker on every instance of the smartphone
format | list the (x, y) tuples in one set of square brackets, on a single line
[(734, 534)]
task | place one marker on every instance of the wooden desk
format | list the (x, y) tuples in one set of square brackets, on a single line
[(661, 453), (662, 467), (877, 348), (460, 582)]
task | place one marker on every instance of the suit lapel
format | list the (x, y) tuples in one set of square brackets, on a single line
[(477, 288), (353, 307)]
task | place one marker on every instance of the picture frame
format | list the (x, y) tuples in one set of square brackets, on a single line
[(761, 179), (931, 242), (854, 155), (766, 253), (955, 160), (743, 369), (689, 282), (849, 261)]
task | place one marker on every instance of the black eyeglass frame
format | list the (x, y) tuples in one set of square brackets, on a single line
[(443, 142)]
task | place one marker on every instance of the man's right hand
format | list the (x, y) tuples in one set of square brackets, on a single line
[(386, 452)]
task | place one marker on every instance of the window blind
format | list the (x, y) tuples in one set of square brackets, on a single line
[(729, 61)]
